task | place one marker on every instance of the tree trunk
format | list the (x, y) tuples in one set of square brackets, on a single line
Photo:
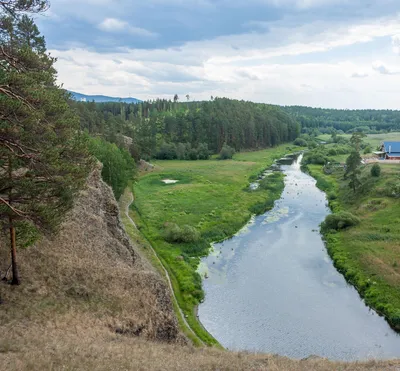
[(15, 273)]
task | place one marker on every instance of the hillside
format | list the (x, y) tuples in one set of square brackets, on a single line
[(101, 98), (90, 301)]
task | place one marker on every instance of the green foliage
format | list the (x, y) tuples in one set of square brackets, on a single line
[(226, 152), (174, 233), (376, 170), (203, 152), (356, 140), (338, 221), (393, 189), (118, 166), (167, 151), (205, 126), (367, 149), (326, 120), (43, 156), (317, 156), (193, 155), (367, 253), (300, 142), (353, 171)]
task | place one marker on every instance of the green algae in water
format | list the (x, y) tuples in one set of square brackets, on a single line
[(276, 215)]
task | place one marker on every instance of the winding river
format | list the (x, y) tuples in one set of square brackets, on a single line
[(273, 288)]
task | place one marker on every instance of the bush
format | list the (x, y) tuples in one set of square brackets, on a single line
[(193, 154), (367, 149), (174, 233), (167, 151), (393, 189), (203, 152), (182, 150), (300, 142), (226, 152), (341, 220), (317, 156), (376, 170)]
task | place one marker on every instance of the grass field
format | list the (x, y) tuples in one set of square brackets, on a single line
[(368, 254), (373, 139), (211, 196)]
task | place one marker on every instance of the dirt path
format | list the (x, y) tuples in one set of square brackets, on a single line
[(165, 270)]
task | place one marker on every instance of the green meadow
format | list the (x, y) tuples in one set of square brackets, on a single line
[(209, 202), (374, 140), (368, 254)]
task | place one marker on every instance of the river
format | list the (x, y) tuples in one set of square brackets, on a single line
[(273, 288)]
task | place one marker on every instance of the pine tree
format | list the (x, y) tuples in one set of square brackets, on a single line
[(43, 158), (353, 171), (14, 7), (28, 34)]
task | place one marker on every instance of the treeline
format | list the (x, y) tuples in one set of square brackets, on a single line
[(348, 121), (166, 129)]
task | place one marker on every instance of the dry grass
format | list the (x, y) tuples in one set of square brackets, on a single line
[(73, 346), (90, 269), (89, 302)]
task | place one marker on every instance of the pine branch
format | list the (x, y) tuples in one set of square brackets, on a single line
[(14, 210), (5, 90)]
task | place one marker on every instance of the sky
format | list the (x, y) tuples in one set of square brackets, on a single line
[(319, 53)]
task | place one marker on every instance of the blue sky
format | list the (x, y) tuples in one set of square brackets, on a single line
[(325, 53)]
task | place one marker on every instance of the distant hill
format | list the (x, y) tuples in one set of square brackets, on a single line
[(101, 98)]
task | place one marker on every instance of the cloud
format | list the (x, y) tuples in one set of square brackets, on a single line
[(117, 25), (396, 44), (359, 75), (247, 75), (281, 61), (381, 68)]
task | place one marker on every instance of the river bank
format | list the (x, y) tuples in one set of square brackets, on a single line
[(214, 198), (368, 254)]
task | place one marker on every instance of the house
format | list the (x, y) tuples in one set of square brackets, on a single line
[(390, 150)]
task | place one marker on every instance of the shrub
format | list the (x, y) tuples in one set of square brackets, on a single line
[(300, 142), (376, 170), (316, 157), (226, 152), (367, 149), (341, 220), (181, 151), (193, 154), (203, 152), (393, 190), (167, 151), (174, 233)]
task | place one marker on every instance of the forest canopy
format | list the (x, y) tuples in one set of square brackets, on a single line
[(197, 126), (367, 121)]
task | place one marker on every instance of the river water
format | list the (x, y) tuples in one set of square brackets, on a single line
[(273, 288)]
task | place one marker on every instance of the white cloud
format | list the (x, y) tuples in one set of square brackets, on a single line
[(250, 70), (117, 25), (396, 44), (359, 75), (381, 68), (302, 4)]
